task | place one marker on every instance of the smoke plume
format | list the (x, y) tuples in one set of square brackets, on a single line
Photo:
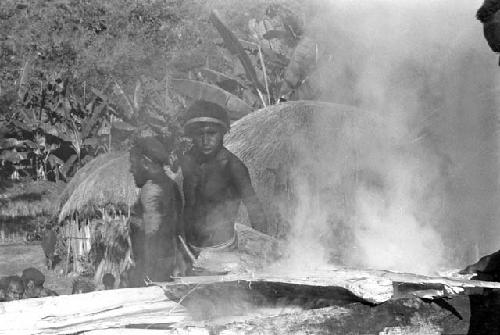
[(409, 183)]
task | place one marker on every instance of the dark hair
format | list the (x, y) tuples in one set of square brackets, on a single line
[(202, 111), (147, 156), (32, 274), (108, 280)]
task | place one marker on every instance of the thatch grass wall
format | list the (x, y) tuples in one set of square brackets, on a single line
[(104, 181), (98, 197), (297, 141)]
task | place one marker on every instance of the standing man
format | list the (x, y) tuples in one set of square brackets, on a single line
[(157, 213), (215, 182)]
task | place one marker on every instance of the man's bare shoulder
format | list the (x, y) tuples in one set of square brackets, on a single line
[(225, 154)]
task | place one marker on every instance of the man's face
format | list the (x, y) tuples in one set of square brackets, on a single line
[(15, 290), (207, 138)]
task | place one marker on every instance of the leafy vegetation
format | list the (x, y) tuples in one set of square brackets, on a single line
[(79, 78)]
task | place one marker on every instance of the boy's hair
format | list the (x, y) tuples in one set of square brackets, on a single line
[(108, 280)]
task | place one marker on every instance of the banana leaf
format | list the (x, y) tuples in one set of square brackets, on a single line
[(218, 77), (303, 59), (234, 46), (301, 64), (68, 164), (279, 34), (92, 121), (270, 55), (202, 91)]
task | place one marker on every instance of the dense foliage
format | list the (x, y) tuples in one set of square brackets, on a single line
[(82, 77)]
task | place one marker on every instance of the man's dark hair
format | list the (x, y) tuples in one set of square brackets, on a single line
[(202, 111), (149, 154)]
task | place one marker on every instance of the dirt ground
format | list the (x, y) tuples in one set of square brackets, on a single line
[(14, 258)]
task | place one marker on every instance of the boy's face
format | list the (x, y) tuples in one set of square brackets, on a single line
[(207, 138)]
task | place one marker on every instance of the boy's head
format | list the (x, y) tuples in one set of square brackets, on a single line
[(109, 281), (15, 289), (33, 281), (206, 123)]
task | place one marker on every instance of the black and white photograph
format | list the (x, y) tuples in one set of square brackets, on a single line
[(250, 167)]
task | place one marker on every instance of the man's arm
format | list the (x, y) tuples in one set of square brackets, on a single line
[(243, 184)]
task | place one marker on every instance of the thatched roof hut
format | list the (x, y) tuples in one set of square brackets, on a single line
[(298, 148), (105, 180), (102, 184)]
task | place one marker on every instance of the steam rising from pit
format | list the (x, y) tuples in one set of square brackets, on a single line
[(409, 183)]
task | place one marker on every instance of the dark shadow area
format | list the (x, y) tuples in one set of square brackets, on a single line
[(34, 196), (485, 313), (485, 305), (209, 301)]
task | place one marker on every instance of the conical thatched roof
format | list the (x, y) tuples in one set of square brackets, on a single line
[(287, 134), (105, 180), (301, 145)]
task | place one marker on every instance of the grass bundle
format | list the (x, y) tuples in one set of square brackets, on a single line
[(104, 181)]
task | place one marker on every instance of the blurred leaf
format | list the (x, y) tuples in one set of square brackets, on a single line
[(91, 122), (234, 46), (13, 156), (280, 34), (23, 81), (86, 159), (50, 129), (66, 167), (54, 160), (202, 91), (91, 141), (26, 126), (8, 143), (301, 64), (224, 81), (137, 96), (31, 144), (120, 92), (124, 126)]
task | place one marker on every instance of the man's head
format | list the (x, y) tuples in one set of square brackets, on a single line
[(206, 123), (147, 157), (15, 289)]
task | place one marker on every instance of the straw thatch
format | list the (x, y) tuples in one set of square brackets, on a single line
[(105, 180), (290, 140)]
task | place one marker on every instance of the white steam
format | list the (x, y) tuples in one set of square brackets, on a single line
[(408, 156)]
